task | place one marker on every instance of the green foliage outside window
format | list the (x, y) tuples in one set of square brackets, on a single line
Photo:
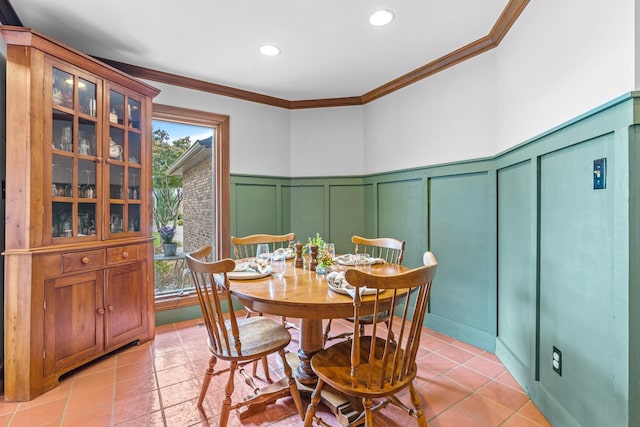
[(167, 190)]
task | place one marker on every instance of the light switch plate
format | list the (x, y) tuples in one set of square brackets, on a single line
[(600, 173)]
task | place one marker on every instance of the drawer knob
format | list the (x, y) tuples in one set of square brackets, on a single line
[(125, 254), (101, 310), (110, 307), (85, 260)]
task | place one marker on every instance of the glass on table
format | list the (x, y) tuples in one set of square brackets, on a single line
[(363, 262), (263, 257), (330, 250), (279, 263), (262, 251)]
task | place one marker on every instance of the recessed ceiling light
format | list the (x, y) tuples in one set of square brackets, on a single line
[(380, 18), (269, 50)]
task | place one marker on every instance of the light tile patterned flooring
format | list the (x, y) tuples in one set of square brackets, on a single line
[(157, 384)]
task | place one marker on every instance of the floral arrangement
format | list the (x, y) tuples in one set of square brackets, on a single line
[(324, 260), (315, 241), (167, 233)]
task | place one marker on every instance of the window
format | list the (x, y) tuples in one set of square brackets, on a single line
[(202, 164)]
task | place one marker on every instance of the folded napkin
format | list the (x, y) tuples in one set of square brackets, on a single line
[(350, 259), (338, 281), (255, 265)]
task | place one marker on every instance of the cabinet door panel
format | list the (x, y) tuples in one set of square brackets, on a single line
[(72, 164), (126, 297), (125, 160), (74, 329)]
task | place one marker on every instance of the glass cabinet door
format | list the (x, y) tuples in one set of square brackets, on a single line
[(124, 163), (73, 208)]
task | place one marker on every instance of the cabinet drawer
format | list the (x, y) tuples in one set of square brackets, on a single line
[(122, 254), (82, 260)]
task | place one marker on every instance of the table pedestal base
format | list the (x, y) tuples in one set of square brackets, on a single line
[(345, 409)]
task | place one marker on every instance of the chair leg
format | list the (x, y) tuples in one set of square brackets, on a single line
[(207, 380), (265, 368), (289, 325), (311, 409), (368, 415), (415, 400), (228, 391), (388, 323), (293, 386), (325, 336)]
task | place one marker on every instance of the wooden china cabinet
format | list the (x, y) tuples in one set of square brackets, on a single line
[(79, 254)]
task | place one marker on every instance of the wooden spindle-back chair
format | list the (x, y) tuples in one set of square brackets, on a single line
[(380, 365), (238, 341), (245, 247), (387, 248)]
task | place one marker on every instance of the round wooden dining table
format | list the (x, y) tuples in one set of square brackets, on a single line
[(304, 294)]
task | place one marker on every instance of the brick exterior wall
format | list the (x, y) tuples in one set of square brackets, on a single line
[(197, 206)]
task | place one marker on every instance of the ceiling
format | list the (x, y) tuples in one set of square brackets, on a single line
[(329, 50)]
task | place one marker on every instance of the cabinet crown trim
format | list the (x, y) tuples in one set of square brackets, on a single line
[(28, 37)]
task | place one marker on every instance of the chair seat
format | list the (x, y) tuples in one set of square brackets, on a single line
[(368, 319), (259, 336), (333, 366)]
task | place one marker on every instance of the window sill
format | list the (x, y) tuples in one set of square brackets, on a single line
[(175, 301)]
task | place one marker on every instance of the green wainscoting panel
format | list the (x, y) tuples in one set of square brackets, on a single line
[(256, 209), (260, 205), (462, 240), (517, 284), (634, 275), (402, 214), (178, 315), (347, 214), (308, 211), (577, 292), (285, 203)]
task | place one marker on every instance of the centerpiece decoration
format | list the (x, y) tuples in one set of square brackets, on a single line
[(324, 261), (169, 247), (319, 259)]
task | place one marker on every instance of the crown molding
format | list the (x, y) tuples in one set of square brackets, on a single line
[(190, 83), (505, 21), (507, 18)]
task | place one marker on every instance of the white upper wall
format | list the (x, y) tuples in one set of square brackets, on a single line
[(259, 134), (637, 45), (560, 59), (327, 141), (444, 118)]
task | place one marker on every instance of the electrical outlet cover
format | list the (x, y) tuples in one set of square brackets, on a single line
[(556, 361)]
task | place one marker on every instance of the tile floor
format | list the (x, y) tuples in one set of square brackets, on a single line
[(157, 384)]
